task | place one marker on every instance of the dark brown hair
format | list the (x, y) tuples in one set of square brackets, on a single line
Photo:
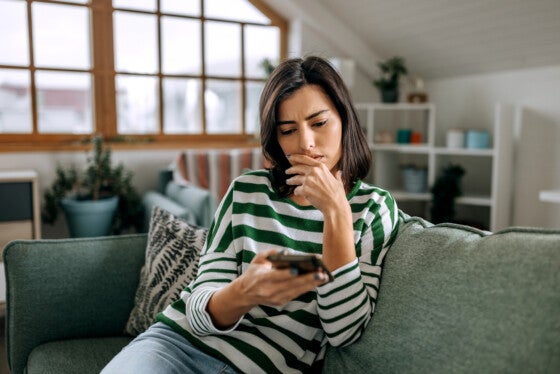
[(288, 77)]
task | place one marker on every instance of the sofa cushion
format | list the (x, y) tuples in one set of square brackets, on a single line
[(455, 299), (74, 356), (172, 255)]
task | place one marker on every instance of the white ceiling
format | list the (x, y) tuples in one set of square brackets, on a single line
[(443, 38)]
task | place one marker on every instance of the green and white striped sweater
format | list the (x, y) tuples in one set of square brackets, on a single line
[(293, 338)]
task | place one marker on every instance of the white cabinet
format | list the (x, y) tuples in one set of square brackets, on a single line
[(19, 213), (487, 181)]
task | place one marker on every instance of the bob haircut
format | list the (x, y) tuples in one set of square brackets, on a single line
[(288, 77)]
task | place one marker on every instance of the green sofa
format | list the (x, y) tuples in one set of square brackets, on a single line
[(452, 299)]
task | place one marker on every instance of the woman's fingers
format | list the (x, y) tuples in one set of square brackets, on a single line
[(266, 285)]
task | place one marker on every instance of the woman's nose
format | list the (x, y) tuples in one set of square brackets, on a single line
[(306, 139)]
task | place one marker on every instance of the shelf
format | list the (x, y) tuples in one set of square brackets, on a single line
[(426, 148), (550, 196), (411, 196), (395, 106), (464, 151), (474, 200), (401, 148), (478, 200)]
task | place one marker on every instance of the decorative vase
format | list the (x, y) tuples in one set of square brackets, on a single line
[(390, 96), (415, 179), (89, 218)]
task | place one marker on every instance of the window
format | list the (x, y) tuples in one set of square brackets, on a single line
[(167, 70)]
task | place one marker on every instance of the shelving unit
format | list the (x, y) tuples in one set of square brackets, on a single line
[(486, 184)]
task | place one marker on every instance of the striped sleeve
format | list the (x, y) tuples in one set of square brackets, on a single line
[(218, 267), (345, 306)]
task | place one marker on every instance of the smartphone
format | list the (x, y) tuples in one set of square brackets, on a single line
[(304, 263)]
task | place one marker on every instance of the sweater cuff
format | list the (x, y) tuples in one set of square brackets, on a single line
[(199, 318), (342, 275)]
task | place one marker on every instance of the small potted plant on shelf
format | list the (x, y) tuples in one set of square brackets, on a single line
[(389, 79), (98, 201), (445, 190)]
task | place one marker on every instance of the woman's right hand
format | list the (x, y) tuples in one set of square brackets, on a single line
[(261, 284)]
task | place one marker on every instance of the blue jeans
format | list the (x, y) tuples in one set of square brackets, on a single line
[(162, 350)]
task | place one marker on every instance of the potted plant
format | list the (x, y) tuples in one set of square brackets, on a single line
[(99, 201), (388, 81), (445, 190)]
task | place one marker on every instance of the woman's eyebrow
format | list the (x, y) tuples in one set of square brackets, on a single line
[(311, 116)]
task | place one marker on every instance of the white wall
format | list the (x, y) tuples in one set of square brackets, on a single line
[(305, 41)]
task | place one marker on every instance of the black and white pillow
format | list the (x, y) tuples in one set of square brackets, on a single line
[(172, 255)]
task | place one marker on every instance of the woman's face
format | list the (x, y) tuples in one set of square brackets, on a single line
[(310, 125)]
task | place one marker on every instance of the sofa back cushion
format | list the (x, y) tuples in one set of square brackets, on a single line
[(214, 169), (455, 299)]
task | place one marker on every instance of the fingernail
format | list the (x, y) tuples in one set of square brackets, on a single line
[(294, 271), (319, 276)]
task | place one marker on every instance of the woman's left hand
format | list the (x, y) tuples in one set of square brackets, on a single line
[(315, 182), (326, 192)]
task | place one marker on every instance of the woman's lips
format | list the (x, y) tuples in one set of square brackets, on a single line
[(315, 157)]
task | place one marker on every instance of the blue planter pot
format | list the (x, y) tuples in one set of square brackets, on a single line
[(88, 218), (415, 179)]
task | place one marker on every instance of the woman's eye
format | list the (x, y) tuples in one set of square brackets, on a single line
[(319, 124), (286, 132)]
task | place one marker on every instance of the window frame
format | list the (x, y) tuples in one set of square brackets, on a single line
[(104, 101)]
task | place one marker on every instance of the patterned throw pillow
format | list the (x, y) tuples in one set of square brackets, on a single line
[(172, 256)]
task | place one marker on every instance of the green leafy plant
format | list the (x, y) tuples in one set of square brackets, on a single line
[(391, 71), (99, 180), (267, 65), (445, 190)]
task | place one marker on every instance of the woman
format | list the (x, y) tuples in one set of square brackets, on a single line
[(241, 313)]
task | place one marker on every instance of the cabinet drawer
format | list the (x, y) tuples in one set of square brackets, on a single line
[(16, 201)]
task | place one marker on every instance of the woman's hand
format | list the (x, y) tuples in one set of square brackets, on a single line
[(261, 284), (316, 183), (326, 192)]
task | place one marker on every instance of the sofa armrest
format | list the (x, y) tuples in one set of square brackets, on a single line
[(164, 176), (153, 198), (67, 289), (198, 200)]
